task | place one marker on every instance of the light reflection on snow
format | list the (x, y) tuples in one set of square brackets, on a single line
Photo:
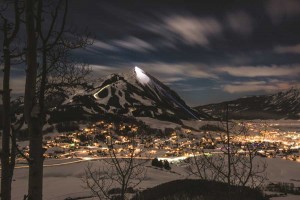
[(87, 158), (173, 159), (141, 75)]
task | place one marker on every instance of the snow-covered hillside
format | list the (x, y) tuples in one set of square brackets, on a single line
[(65, 180)]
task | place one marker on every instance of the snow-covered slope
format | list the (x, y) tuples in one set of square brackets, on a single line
[(282, 105), (135, 93)]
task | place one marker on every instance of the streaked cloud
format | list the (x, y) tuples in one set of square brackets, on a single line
[(247, 88), (127, 43), (192, 30), (134, 43), (240, 22), (260, 71), (171, 80), (279, 10), (187, 70), (103, 45), (190, 88), (101, 70), (255, 86), (288, 49), (188, 29)]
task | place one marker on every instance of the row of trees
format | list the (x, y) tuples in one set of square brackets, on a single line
[(231, 166), (161, 164), (45, 51)]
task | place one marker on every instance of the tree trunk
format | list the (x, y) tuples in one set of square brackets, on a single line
[(32, 108), (6, 177), (8, 149), (228, 151), (35, 184), (123, 189)]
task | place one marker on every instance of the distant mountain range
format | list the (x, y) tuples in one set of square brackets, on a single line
[(135, 93), (282, 105)]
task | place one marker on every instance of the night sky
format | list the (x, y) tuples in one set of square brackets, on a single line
[(207, 51)]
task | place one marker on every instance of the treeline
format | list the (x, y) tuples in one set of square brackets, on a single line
[(161, 164)]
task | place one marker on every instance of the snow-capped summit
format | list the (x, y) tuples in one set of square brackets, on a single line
[(135, 93), (141, 75)]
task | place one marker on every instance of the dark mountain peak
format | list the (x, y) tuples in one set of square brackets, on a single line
[(135, 93)]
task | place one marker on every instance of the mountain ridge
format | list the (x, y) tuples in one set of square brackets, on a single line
[(281, 105), (135, 93)]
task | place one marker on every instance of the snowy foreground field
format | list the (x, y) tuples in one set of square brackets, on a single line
[(64, 180)]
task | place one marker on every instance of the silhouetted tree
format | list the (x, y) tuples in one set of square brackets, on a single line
[(167, 165), (9, 30), (49, 41), (116, 171), (230, 166), (155, 162)]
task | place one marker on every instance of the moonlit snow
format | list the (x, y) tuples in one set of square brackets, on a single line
[(141, 75)]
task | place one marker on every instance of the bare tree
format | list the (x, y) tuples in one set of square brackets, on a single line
[(31, 106), (235, 164), (46, 34), (116, 172), (49, 42), (9, 30)]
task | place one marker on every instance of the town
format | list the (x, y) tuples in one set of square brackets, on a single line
[(97, 139)]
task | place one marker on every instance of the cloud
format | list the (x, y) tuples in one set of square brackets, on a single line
[(190, 88), (240, 22), (104, 70), (171, 80), (240, 59), (279, 10), (254, 86), (288, 49), (134, 43), (261, 71), (130, 43), (186, 70), (187, 29), (247, 88), (193, 30), (103, 45)]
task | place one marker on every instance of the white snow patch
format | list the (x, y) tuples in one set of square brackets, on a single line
[(141, 75)]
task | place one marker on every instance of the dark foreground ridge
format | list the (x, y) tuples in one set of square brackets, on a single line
[(188, 189)]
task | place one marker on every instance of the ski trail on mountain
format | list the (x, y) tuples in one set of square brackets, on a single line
[(95, 95)]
